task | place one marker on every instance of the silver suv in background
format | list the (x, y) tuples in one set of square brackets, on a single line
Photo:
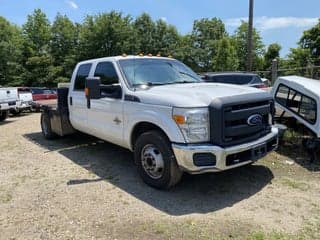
[(238, 78)]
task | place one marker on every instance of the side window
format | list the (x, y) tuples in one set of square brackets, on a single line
[(302, 105), (282, 95), (256, 79), (107, 73), (82, 73), (308, 109)]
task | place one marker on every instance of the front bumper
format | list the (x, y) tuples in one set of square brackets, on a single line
[(24, 105), (223, 158), (7, 105)]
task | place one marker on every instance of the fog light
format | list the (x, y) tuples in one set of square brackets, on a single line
[(204, 159)]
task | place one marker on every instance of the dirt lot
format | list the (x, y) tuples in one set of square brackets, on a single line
[(83, 188)]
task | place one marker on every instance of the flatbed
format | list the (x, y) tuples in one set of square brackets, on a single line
[(57, 112)]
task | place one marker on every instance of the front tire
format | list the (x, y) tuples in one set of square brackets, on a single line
[(46, 126), (155, 160)]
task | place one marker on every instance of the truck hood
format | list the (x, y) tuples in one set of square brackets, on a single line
[(191, 94)]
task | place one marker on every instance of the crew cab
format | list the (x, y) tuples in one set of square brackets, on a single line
[(161, 110), (8, 100)]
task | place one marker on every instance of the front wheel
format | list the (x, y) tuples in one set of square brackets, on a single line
[(157, 165)]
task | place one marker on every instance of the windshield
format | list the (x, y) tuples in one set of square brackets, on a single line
[(139, 72)]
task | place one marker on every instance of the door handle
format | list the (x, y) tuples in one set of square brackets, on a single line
[(117, 120), (70, 99)]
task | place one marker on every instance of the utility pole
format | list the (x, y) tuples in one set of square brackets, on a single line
[(249, 53)]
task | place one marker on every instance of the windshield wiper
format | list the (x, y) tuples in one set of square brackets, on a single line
[(148, 84), (189, 75), (181, 82)]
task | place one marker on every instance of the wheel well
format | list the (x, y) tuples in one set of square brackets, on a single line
[(143, 127)]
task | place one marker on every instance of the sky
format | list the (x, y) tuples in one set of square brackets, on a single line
[(281, 21)]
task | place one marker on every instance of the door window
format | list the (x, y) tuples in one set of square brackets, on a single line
[(109, 79), (82, 74), (107, 73)]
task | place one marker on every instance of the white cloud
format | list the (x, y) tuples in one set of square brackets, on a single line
[(164, 19), (72, 4), (267, 23)]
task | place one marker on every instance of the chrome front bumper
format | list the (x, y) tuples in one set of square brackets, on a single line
[(185, 154)]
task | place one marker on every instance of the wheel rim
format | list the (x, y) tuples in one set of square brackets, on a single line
[(44, 126), (152, 161)]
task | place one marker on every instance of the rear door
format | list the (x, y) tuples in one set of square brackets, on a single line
[(77, 98), (105, 116)]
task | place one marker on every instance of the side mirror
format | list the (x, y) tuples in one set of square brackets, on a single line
[(92, 89), (111, 91)]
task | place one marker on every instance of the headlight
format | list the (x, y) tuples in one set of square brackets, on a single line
[(193, 123)]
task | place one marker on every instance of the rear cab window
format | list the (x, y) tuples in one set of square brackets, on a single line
[(82, 73), (302, 105)]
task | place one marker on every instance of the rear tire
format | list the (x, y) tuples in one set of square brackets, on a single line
[(155, 160), (3, 115), (46, 126)]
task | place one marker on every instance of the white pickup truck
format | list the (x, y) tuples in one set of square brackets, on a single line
[(24, 101), (8, 100), (159, 109)]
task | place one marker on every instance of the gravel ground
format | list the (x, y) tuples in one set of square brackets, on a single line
[(80, 187)]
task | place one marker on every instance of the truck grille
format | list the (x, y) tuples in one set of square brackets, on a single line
[(229, 119)]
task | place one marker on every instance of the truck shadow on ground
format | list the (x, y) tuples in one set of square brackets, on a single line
[(194, 194), (7, 121)]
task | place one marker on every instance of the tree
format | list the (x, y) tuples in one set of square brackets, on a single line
[(37, 59), (107, 34), (273, 52), (311, 42), (63, 48), (240, 40), (10, 53), (226, 56), (297, 58), (166, 38), (205, 35), (146, 29)]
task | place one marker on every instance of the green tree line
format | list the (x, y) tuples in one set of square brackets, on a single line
[(40, 53)]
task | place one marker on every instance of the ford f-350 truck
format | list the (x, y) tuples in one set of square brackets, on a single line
[(159, 109)]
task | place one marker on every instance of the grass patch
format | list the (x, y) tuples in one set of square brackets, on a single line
[(228, 230), (5, 197), (295, 184), (290, 135)]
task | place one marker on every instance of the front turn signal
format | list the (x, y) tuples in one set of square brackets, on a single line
[(179, 119)]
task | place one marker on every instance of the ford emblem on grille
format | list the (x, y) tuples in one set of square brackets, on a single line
[(255, 119)]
